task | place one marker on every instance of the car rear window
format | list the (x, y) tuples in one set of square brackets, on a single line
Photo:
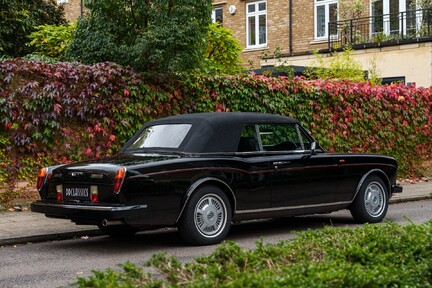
[(161, 136)]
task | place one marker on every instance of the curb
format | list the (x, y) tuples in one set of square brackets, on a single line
[(49, 237), (411, 199)]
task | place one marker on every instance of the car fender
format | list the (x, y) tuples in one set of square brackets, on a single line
[(44, 188), (208, 180), (373, 171)]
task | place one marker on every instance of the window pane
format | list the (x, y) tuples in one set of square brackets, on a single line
[(161, 136), (321, 21), (411, 15), (219, 15), (333, 18), (377, 13), (248, 140), (394, 16), (251, 8), (333, 12), (279, 137), (262, 29), (262, 6), (394, 6), (377, 8), (252, 29), (410, 5)]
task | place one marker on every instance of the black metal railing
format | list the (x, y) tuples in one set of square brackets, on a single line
[(389, 28)]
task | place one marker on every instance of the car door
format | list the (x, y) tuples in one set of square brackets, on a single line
[(253, 191), (298, 178)]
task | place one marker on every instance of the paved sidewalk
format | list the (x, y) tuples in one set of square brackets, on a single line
[(23, 227)]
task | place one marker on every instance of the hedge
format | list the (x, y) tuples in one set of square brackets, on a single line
[(389, 255), (343, 116), (58, 113)]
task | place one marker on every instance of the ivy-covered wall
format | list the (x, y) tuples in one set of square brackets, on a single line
[(57, 113), (343, 116)]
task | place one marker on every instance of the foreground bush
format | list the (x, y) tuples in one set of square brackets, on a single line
[(58, 113), (388, 255)]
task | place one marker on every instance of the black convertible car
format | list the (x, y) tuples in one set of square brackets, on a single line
[(200, 172)]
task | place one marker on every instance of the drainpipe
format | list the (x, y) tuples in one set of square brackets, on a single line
[(290, 28), (82, 8)]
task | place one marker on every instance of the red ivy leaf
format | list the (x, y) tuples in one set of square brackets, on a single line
[(88, 152), (57, 108)]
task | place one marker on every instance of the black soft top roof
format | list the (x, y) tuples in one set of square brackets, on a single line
[(217, 131)]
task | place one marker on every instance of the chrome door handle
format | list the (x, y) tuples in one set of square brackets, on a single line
[(281, 162)]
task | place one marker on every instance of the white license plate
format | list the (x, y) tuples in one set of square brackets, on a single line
[(76, 192)]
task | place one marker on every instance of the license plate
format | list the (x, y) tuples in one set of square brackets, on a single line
[(76, 192)]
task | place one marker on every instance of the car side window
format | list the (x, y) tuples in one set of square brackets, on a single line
[(248, 140), (282, 137), (273, 137)]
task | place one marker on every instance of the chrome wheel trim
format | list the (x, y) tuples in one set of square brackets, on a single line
[(374, 199), (210, 215)]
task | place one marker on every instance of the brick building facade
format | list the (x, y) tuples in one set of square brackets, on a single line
[(385, 33)]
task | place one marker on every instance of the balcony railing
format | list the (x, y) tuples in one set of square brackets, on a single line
[(408, 26)]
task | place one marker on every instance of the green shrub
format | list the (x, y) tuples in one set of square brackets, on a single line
[(156, 37), (52, 40), (40, 58), (18, 19), (388, 255), (340, 66), (223, 52)]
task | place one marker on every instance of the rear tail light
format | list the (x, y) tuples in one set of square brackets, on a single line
[(94, 194), (119, 178), (41, 177), (59, 189)]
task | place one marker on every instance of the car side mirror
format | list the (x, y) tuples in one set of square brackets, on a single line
[(313, 147)]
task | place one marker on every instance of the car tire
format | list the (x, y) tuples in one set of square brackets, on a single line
[(371, 202), (118, 231), (206, 219)]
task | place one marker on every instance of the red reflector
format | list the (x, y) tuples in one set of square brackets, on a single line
[(41, 177), (59, 197), (118, 181)]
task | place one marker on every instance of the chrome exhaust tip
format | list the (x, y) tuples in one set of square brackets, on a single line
[(106, 222)]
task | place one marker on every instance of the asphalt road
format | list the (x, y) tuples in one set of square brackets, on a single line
[(53, 264)]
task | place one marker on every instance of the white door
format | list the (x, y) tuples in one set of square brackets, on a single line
[(394, 17)]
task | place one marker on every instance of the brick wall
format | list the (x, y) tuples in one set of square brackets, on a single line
[(277, 28), (72, 9), (303, 27)]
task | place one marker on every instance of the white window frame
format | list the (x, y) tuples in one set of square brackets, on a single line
[(326, 4), (213, 16), (256, 14)]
